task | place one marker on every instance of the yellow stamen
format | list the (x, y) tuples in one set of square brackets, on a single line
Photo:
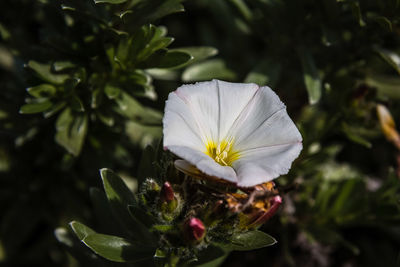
[(223, 153)]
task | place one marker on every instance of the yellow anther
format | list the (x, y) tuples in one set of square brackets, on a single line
[(223, 153)]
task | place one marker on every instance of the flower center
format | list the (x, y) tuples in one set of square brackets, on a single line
[(222, 153)]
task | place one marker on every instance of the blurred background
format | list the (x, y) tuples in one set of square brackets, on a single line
[(83, 86)]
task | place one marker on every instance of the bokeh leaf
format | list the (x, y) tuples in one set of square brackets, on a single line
[(390, 57), (43, 90), (208, 70), (36, 107), (251, 240), (71, 131), (110, 1), (44, 72), (311, 77)]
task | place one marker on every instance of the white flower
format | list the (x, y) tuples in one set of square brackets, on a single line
[(235, 131)]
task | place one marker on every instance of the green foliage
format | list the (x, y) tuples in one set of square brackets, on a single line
[(100, 72), (97, 74), (149, 231)]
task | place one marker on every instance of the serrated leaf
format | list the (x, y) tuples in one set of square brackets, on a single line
[(71, 131), (251, 240), (43, 90), (208, 70), (80, 229), (118, 249), (36, 107), (44, 72), (311, 76)]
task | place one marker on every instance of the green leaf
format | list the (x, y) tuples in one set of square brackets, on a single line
[(118, 249), (132, 109), (103, 212), (311, 77), (116, 190), (44, 72), (210, 257), (54, 109), (154, 46), (384, 23), (76, 104), (355, 8), (150, 11), (353, 133), (80, 229), (120, 198), (71, 131), (251, 240), (111, 91), (63, 65), (43, 90), (164, 228), (110, 1), (167, 59), (198, 53), (387, 86), (143, 135), (390, 57), (36, 107), (208, 70), (265, 73)]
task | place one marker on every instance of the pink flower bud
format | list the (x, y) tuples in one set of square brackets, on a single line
[(275, 202), (167, 193), (194, 229)]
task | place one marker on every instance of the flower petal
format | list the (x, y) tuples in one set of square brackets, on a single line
[(180, 126), (233, 98), (264, 111), (260, 165), (204, 163), (201, 101)]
